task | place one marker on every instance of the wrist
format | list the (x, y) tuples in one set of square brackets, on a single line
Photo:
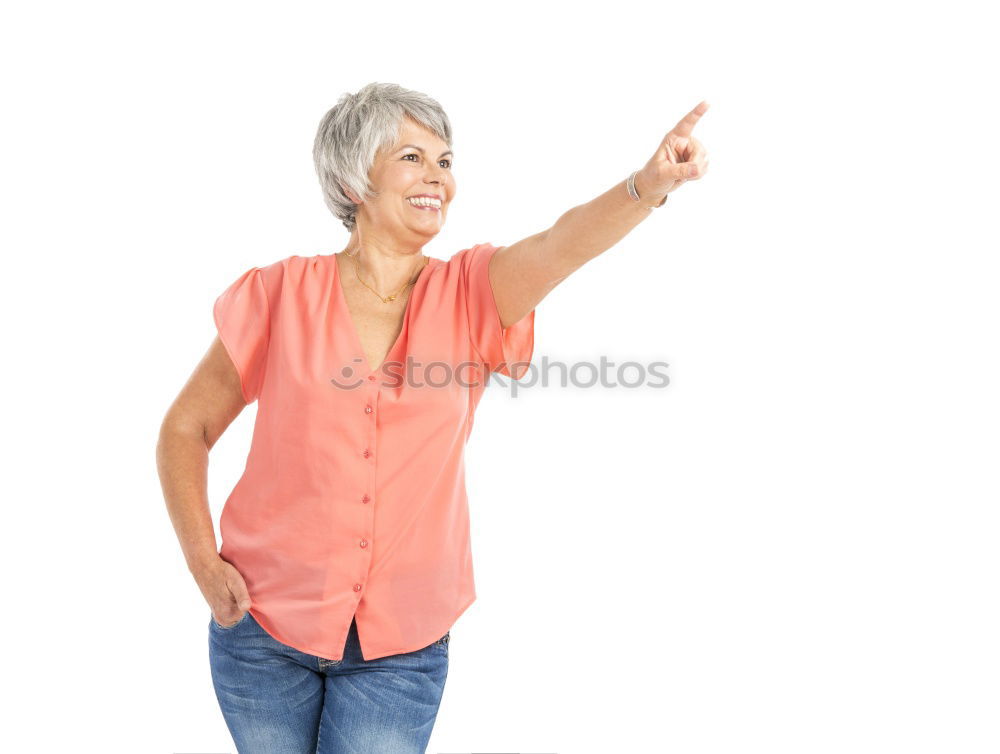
[(647, 196), (203, 563)]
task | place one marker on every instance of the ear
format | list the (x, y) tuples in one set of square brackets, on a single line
[(350, 194)]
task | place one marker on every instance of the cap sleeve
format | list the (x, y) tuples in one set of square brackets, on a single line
[(505, 350), (242, 318)]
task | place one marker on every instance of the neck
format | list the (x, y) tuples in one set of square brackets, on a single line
[(383, 269)]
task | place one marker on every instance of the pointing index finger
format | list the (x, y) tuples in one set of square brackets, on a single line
[(686, 124)]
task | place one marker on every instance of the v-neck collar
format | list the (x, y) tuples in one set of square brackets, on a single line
[(345, 312)]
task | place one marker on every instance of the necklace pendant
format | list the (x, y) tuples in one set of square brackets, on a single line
[(391, 298)]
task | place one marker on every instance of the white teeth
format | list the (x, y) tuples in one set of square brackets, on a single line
[(423, 201)]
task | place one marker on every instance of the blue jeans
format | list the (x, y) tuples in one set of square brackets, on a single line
[(278, 700)]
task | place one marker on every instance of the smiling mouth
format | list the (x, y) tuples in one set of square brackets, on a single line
[(434, 205)]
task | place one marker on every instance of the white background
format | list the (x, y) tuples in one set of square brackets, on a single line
[(792, 548)]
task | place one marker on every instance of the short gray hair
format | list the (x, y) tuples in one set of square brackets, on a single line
[(356, 128)]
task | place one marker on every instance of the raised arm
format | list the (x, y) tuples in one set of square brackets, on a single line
[(523, 273)]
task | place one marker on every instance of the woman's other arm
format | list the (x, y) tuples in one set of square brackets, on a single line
[(207, 404), (523, 273)]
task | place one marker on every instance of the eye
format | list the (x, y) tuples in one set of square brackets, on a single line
[(414, 154)]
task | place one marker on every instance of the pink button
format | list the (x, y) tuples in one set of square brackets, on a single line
[(357, 587), (365, 499), (366, 453), (371, 376), (364, 542), (368, 409)]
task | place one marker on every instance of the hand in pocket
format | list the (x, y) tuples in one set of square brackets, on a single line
[(225, 591)]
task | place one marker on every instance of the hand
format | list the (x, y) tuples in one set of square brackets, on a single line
[(225, 591), (679, 158)]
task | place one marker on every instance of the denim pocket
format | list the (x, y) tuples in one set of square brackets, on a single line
[(234, 625)]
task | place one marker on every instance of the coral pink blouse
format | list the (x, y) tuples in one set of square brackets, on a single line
[(353, 502)]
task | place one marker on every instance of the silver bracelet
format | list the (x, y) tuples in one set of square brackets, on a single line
[(630, 185)]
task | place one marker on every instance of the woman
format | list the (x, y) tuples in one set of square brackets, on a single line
[(345, 555)]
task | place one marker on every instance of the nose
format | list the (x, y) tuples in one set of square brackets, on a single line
[(439, 176)]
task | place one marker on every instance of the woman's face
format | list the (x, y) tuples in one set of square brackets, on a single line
[(418, 164)]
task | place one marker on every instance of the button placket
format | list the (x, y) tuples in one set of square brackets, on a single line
[(368, 455)]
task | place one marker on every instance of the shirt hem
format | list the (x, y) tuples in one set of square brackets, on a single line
[(423, 644), (276, 635)]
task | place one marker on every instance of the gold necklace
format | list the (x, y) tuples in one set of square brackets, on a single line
[(385, 300)]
